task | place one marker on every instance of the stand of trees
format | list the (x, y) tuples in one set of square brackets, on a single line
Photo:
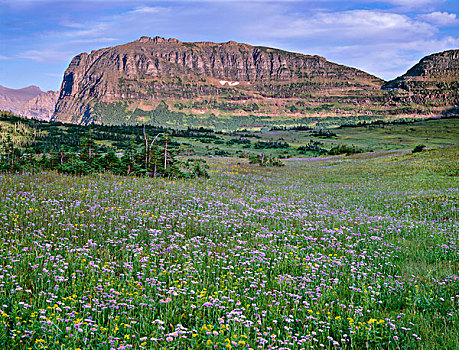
[(155, 159), (265, 160)]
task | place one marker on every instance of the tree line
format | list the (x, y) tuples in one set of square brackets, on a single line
[(155, 159)]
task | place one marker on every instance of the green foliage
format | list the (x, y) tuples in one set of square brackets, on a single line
[(344, 149), (35, 137), (154, 160), (418, 148), (163, 116), (265, 160), (270, 144), (313, 147), (111, 113), (119, 114), (194, 168), (323, 133), (239, 141), (11, 158)]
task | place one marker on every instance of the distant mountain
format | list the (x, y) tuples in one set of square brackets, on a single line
[(434, 80), (30, 102), (169, 82), (22, 95)]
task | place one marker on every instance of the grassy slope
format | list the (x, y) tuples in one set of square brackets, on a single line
[(432, 133)]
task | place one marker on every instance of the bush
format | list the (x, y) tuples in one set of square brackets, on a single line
[(265, 160), (195, 168), (418, 148), (313, 147), (323, 134), (271, 144), (344, 149)]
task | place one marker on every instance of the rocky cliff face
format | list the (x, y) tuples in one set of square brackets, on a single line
[(30, 102), (198, 78), (434, 80), (171, 83)]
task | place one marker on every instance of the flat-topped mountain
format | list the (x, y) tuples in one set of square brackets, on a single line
[(434, 80), (234, 85), (30, 102), (127, 83)]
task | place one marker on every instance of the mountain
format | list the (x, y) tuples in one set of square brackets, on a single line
[(22, 95), (166, 81), (30, 102), (228, 86), (433, 80)]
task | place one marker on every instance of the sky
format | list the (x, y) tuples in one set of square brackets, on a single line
[(39, 38)]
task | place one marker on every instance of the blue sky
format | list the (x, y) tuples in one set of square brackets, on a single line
[(39, 38)]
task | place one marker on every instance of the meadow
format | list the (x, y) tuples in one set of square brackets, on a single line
[(357, 252)]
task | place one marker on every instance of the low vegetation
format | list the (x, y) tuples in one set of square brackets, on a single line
[(418, 148)]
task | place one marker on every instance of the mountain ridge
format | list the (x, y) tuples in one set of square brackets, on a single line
[(150, 70), (30, 101), (232, 85), (434, 79)]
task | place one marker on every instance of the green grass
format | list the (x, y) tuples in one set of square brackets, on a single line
[(432, 133)]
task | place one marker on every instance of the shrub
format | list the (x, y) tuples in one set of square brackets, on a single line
[(418, 148), (265, 160), (344, 149), (313, 147)]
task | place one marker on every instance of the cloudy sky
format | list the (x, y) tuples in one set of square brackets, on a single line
[(38, 38)]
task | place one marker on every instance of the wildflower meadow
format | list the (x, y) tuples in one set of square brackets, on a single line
[(357, 252)]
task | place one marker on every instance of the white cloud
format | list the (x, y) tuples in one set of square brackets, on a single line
[(411, 2), (78, 36), (357, 25), (145, 9), (95, 30), (103, 29), (91, 40), (3, 57), (441, 18), (386, 60), (414, 4), (46, 56), (54, 75), (382, 43), (70, 24)]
